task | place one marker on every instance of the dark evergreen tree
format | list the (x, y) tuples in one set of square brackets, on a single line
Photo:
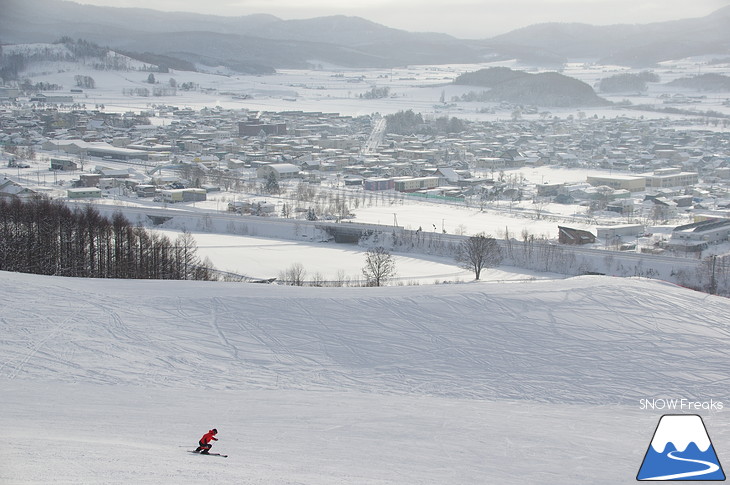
[(272, 184)]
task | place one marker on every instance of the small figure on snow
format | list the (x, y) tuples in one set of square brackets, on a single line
[(205, 442)]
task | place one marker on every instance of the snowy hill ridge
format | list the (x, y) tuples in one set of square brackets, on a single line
[(593, 340)]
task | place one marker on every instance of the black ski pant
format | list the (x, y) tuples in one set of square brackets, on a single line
[(204, 446)]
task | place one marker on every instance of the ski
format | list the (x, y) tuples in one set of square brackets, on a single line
[(208, 454)]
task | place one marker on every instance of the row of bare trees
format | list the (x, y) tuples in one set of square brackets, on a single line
[(378, 270), (47, 237)]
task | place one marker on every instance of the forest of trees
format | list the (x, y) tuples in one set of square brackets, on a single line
[(376, 93), (523, 88), (12, 64), (627, 82), (490, 77), (704, 82), (46, 237), (82, 49), (408, 122), (86, 82), (160, 62)]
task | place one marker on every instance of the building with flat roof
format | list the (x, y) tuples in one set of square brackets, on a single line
[(378, 184), (183, 195), (632, 183), (671, 177), (55, 99), (604, 233), (95, 149), (416, 183), (84, 193)]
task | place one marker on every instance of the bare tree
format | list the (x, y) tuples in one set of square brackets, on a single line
[(186, 258), (341, 278), (379, 266), (294, 275), (317, 279), (479, 252)]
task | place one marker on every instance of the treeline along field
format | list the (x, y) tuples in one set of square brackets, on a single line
[(47, 237)]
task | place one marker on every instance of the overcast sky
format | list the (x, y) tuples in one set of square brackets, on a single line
[(460, 18)]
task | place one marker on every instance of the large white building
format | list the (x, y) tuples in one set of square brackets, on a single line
[(671, 177), (632, 183), (698, 235)]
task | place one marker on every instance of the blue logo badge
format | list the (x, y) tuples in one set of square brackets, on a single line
[(681, 450)]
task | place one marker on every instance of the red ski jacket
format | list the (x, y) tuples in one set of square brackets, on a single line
[(208, 436)]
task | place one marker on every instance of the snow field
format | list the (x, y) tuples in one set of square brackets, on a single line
[(266, 258), (85, 433), (108, 381)]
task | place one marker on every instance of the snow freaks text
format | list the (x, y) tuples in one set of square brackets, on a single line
[(680, 405)]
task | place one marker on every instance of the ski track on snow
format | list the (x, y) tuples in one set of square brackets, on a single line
[(430, 385), (617, 342)]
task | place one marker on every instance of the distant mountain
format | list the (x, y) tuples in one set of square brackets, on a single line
[(544, 89), (630, 45), (250, 43), (262, 43)]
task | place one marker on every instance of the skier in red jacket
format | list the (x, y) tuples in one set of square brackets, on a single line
[(204, 442)]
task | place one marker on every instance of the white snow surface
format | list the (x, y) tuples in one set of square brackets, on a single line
[(109, 381), (681, 430), (263, 258)]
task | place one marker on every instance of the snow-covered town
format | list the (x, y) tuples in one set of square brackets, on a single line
[(617, 180)]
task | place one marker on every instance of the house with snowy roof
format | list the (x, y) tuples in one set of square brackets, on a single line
[(10, 189), (280, 170), (447, 176)]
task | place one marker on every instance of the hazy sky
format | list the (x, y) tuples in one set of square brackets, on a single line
[(460, 18)]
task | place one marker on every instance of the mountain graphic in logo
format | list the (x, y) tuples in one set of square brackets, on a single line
[(681, 450)]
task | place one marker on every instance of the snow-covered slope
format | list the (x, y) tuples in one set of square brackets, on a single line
[(471, 383), (586, 340)]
